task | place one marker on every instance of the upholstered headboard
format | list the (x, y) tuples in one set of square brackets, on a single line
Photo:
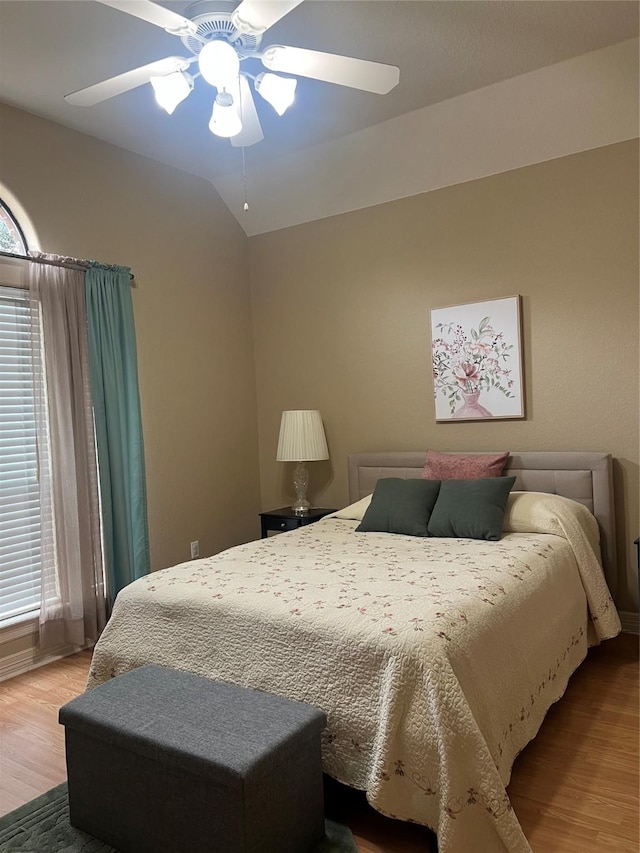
[(583, 477)]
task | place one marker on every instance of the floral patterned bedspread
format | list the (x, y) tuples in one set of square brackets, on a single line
[(434, 659)]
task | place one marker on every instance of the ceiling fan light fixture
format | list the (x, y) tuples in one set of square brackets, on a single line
[(280, 92), (219, 40), (219, 63), (171, 89), (225, 120)]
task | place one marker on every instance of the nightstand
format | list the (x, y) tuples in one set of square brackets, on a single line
[(285, 519)]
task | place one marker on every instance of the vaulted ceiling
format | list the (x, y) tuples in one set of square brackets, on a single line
[(445, 50)]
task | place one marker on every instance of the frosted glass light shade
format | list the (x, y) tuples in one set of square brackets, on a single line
[(219, 64), (225, 120), (171, 89), (302, 437), (280, 92)]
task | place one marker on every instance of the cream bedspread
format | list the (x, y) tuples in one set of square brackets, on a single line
[(434, 659)]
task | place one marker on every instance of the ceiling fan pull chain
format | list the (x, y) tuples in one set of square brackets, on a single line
[(245, 206)]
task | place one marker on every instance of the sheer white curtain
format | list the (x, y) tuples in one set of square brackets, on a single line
[(72, 608)]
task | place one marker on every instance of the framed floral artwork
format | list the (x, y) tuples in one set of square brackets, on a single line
[(477, 360)]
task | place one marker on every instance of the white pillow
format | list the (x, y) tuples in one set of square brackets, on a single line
[(354, 511), (543, 512)]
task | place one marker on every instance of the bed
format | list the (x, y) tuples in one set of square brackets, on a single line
[(435, 659)]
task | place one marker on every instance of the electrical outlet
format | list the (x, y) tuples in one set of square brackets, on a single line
[(195, 549)]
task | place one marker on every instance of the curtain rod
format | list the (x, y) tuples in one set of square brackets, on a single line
[(47, 261)]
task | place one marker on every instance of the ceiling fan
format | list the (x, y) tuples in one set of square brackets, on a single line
[(219, 41)]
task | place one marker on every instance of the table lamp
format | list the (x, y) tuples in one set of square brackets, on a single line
[(301, 440)]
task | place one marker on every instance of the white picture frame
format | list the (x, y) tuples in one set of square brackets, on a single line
[(476, 356)]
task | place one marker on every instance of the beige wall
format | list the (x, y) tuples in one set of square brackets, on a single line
[(341, 321), (192, 311)]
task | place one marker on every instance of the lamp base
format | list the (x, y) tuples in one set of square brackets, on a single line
[(301, 506)]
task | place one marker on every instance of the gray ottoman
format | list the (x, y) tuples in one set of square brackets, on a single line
[(161, 761)]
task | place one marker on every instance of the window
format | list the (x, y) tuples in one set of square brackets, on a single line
[(19, 490), (11, 236)]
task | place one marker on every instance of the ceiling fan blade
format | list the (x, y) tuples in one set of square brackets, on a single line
[(256, 16), (251, 128), (91, 95), (154, 14), (342, 70)]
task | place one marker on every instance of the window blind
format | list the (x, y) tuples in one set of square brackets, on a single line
[(19, 491)]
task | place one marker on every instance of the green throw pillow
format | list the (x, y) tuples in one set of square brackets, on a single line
[(400, 506), (471, 509)]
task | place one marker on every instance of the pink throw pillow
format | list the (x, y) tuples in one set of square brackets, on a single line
[(458, 466)]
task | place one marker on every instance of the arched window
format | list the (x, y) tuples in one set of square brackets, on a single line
[(11, 236), (19, 490)]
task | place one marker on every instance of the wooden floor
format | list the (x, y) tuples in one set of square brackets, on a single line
[(574, 788)]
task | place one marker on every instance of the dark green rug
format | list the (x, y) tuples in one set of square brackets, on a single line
[(42, 826)]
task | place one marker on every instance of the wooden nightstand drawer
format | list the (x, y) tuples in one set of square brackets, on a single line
[(287, 524), (284, 519)]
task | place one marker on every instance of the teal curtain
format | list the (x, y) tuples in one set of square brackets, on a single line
[(118, 424)]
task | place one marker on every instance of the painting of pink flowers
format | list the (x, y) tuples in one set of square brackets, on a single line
[(477, 360)]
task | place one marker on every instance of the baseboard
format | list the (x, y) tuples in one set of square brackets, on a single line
[(32, 658), (630, 622)]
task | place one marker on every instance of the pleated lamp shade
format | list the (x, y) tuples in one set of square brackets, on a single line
[(302, 437)]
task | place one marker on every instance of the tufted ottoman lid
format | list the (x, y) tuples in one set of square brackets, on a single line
[(207, 728)]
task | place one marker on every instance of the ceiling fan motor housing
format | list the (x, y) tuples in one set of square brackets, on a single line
[(213, 20)]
